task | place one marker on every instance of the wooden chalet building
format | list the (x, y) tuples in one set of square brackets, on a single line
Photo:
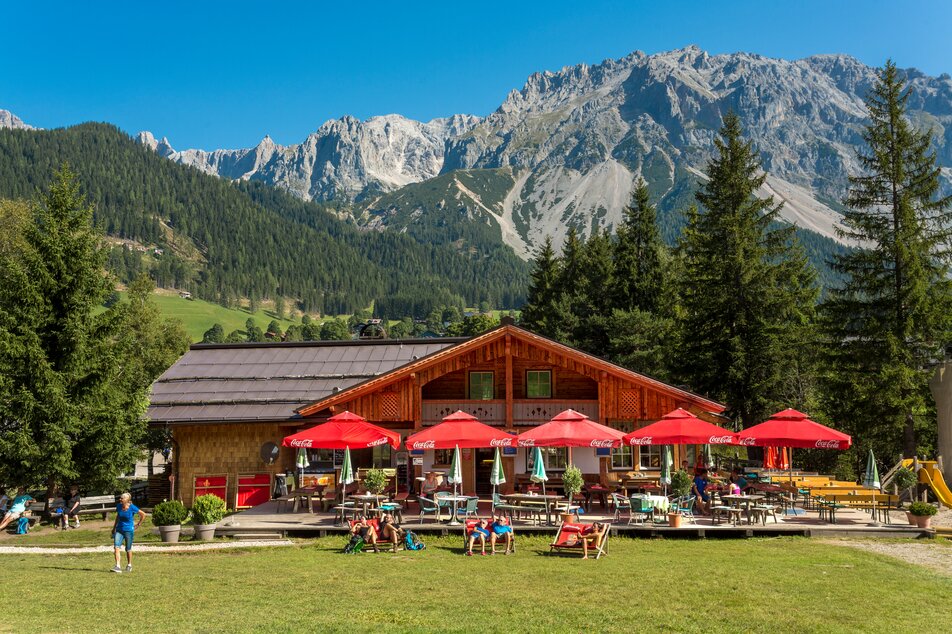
[(225, 403)]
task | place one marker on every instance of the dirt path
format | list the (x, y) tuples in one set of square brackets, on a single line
[(144, 548), (929, 553)]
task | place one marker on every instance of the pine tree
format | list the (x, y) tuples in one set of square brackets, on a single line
[(891, 317), (73, 381), (279, 306), (639, 270), (747, 290), (538, 313)]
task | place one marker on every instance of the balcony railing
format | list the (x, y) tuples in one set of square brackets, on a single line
[(524, 411)]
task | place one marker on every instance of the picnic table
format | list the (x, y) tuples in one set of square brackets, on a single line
[(743, 502), (530, 500), (595, 491), (644, 485), (366, 499), (299, 495)]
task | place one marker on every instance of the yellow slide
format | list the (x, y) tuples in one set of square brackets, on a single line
[(929, 474)]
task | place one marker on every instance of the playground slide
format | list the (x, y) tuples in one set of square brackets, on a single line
[(933, 477)]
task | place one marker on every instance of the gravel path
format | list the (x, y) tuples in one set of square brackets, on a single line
[(141, 548), (930, 554)]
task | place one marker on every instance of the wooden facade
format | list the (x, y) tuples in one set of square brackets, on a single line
[(420, 392)]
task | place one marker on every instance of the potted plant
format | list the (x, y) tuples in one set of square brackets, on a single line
[(904, 480), (923, 512), (572, 483), (681, 485), (375, 481), (168, 516), (207, 511)]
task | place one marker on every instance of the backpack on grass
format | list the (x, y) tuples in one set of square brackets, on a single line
[(412, 542), (355, 545), (23, 526)]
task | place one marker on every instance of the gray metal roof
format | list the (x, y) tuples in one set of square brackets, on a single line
[(270, 381)]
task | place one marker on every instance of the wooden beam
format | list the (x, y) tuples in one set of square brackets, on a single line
[(417, 402), (509, 395)]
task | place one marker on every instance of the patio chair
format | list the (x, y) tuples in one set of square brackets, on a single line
[(428, 507), (640, 509), (394, 509), (470, 508), (569, 537), (499, 505), (621, 503), (685, 505)]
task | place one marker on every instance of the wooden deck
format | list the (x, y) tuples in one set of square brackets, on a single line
[(265, 521)]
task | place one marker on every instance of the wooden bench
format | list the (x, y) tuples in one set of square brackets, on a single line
[(93, 505)]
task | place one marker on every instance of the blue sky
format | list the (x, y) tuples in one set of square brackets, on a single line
[(224, 74)]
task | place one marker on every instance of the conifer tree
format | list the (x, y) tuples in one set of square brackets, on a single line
[(747, 290), (639, 271), (538, 315), (891, 317)]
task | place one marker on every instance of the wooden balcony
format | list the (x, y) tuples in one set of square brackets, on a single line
[(524, 411)]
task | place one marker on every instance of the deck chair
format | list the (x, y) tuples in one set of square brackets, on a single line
[(428, 507), (621, 503), (569, 537)]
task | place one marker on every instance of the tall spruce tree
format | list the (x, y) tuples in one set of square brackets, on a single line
[(639, 270), (891, 317), (543, 291), (73, 381), (747, 290)]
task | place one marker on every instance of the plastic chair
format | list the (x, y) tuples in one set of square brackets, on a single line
[(640, 509), (470, 508), (621, 504), (685, 506), (428, 507)]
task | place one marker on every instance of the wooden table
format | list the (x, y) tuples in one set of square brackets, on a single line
[(544, 499), (744, 501), (366, 499)]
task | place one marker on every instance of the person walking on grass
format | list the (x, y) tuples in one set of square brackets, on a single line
[(124, 529)]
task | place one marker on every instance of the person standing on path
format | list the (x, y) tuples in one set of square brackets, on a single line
[(124, 529)]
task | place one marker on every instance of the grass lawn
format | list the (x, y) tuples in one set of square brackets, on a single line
[(755, 585)]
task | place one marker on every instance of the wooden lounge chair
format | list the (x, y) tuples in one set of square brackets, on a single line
[(471, 525), (570, 537)]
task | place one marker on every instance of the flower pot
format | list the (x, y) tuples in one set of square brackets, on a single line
[(910, 518), (923, 521), (568, 518), (204, 532), (674, 520), (170, 534)]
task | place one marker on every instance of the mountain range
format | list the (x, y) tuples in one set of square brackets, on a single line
[(566, 149)]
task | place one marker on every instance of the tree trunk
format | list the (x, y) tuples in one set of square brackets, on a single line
[(149, 465), (909, 437)]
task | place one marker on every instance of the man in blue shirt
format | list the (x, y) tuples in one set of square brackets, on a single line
[(700, 490), (123, 530), (18, 508)]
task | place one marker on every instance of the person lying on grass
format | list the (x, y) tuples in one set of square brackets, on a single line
[(480, 532), (389, 531), (591, 535), (366, 531), (500, 529)]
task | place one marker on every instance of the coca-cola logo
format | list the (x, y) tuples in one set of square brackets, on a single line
[(602, 443), (301, 443), (828, 444), (746, 442), (424, 444), (379, 441), (640, 440), (720, 440), (500, 442), (528, 442)]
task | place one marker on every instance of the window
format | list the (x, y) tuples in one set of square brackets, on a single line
[(481, 386), (649, 456), (554, 458), (539, 384), (321, 458), (442, 456), (381, 456), (623, 458)]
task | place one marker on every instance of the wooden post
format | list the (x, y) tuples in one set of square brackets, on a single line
[(509, 422), (417, 402)]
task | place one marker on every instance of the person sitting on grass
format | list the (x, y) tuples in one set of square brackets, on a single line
[(70, 508), (17, 509), (500, 530), (366, 532), (389, 531), (699, 489), (591, 535), (480, 532)]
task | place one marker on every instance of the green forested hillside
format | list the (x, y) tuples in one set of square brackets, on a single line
[(224, 241)]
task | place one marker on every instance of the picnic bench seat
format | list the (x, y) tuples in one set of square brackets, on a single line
[(569, 537)]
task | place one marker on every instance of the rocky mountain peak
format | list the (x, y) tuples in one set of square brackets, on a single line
[(11, 121)]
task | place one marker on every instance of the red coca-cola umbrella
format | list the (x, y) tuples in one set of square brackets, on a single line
[(460, 430), (680, 427), (791, 428), (342, 431), (571, 429)]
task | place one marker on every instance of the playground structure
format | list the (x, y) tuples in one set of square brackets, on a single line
[(930, 475)]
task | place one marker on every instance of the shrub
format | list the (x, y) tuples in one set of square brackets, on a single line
[(681, 482), (922, 509), (572, 481), (375, 481), (169, 513), (208, 509), (905, 478)]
